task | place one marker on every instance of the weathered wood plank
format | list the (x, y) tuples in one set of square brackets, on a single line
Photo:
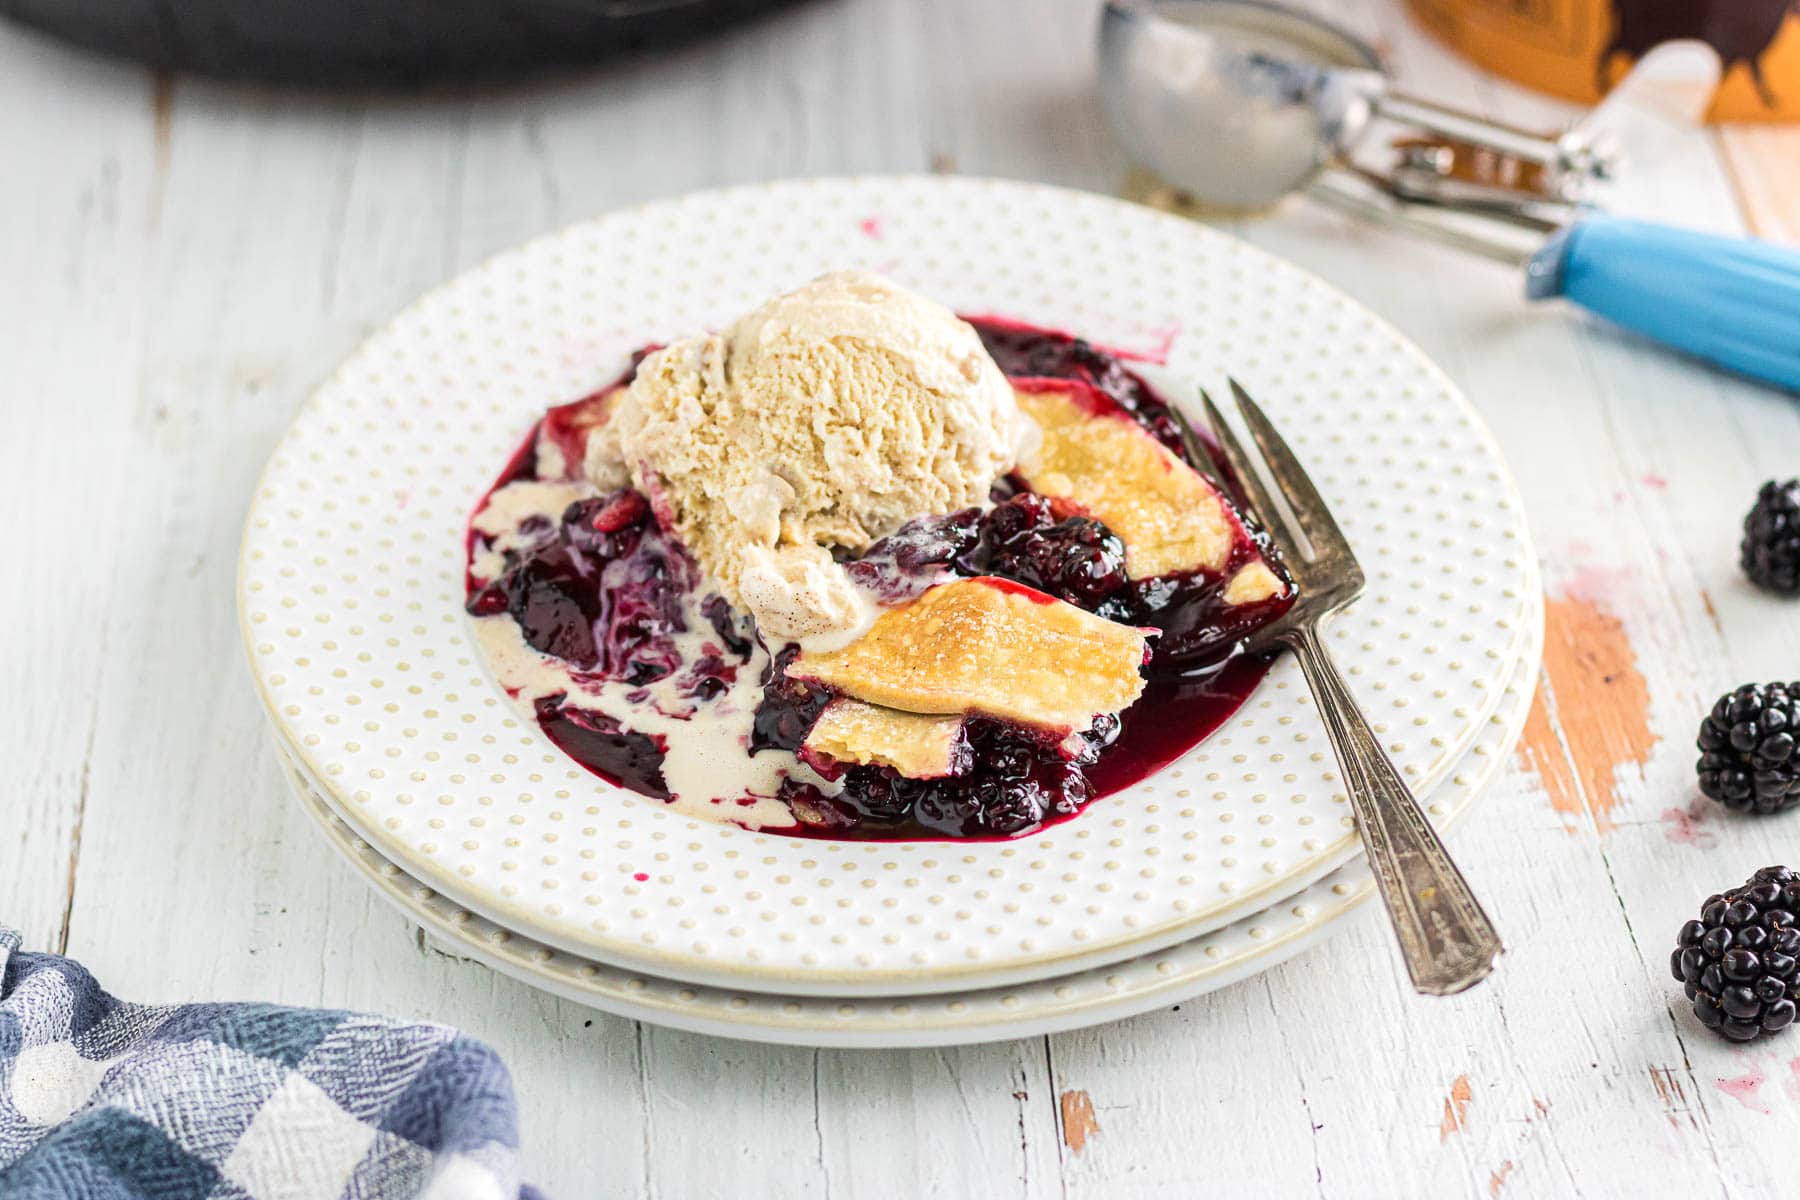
[(81, 171), (1764, 164)]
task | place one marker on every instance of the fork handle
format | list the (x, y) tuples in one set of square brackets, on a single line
[(1448, 942)]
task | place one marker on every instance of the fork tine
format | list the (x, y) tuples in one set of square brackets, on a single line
[(1262, 506), (1198, 452), (1309, 508)]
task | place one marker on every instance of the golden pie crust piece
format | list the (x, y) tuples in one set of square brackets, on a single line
[(916, 745), (993, 647), (1253, 582), (1109, 467)]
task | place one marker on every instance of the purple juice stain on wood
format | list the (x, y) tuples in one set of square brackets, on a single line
[(1744, 1089)]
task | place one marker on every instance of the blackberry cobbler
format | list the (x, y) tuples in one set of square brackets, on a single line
[(858, 568)]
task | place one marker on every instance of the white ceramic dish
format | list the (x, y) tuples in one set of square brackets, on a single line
[(351, 582), (1246, 947)]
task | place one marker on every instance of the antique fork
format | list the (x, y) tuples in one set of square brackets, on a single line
[(1448, 942)]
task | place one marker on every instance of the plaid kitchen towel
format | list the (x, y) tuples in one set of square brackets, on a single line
[(99, 1098)]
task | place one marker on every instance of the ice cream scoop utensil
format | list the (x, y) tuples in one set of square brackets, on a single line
[(1240, 102)]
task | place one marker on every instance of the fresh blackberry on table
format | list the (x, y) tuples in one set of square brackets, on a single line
[(1770, 551), (1740, 962), (1747, 748)]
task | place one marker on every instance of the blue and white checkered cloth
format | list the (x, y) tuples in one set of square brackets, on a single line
[(104, 1099)]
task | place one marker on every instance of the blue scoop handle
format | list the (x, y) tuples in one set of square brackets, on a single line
[(1732, 301)]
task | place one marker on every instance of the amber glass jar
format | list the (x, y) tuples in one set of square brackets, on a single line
[(1577, 48)]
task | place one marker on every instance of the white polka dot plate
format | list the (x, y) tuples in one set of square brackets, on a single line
[(352, 574), (1250, 945)]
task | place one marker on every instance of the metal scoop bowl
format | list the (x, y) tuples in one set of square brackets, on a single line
[(1234, 101)]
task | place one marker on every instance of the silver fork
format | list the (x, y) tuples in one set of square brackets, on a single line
[(1448, 942)]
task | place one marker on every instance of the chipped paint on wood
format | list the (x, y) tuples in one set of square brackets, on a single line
[(1591, 716), (1456, 1108), (1673, 1096), (1543, 753), (1078, 1120), (1666, 1085), (1498, 1177), (1712, 611)]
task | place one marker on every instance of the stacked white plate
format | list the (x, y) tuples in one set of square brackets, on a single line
[(458, 809)]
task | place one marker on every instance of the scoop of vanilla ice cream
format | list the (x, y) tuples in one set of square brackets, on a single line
[(823, 420)]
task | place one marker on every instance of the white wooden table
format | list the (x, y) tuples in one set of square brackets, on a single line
[(180, 261)]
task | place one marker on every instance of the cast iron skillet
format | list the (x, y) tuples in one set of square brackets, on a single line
[(360, 42)]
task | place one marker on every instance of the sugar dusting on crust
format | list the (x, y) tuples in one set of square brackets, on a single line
[(916, 745), (992, 647), (1169, 517)]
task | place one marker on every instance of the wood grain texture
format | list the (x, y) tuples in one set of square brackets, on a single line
[(1764, 164), (189, 258)]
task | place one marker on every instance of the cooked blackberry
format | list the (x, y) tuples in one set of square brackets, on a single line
[(899, 566), (1070, 790), (1103, 733), (606, 526), (734, 629), (955, 811), (814, 810), (987, 806), (554, 598), (1747, 748), (1740, 961), (1010, 806), (926, 542), (1770, 551), (1018, 514), (878, 794), (1077, 559), (788, 707)]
